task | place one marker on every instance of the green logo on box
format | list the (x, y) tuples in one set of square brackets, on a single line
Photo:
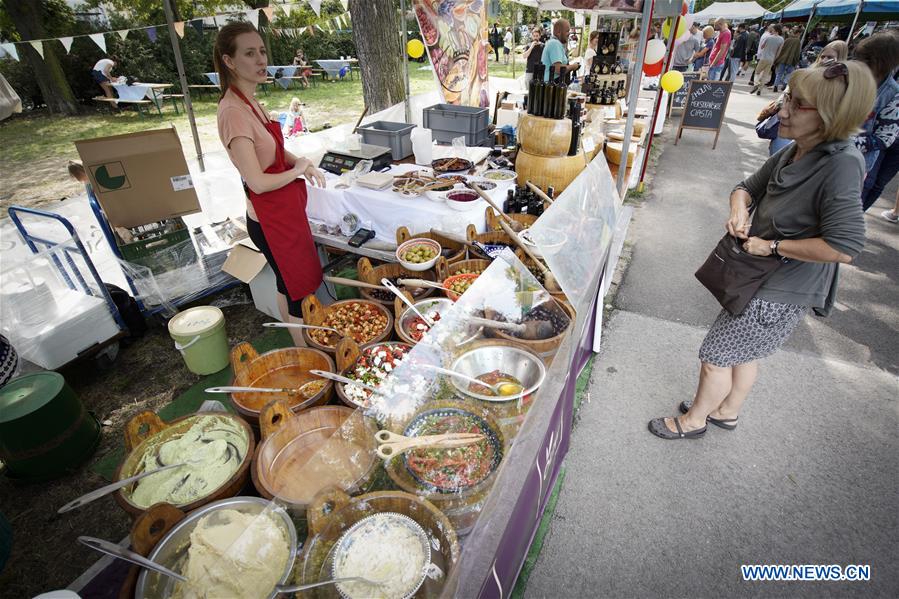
[(111, 176)]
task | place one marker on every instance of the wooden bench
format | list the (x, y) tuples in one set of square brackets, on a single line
[(175, 98), (140, 105), (204, 89)]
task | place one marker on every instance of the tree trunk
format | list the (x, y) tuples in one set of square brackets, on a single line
[(51, 79), (376, 31)]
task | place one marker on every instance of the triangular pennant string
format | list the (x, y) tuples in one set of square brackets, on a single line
[(99, 40), (123, 33), (268, 11), (38, 47), (316, 6), (346, 4), (253, 17), (10, 49), (286, 8), (198, 25), (67, 43), (151, 33), (179, 28)]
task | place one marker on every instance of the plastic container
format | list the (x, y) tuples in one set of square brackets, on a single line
[(396, 136), (199, 334), (448, 121), (45, 431)]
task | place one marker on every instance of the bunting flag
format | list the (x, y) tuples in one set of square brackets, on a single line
[(38, 47), (99, 40), (10, 49), (316, 6), (179, 28), (269, 11), (123, 34), (198, 25), (346, 4), (286, 8), (253, 17), (151, 33), (67, 43)]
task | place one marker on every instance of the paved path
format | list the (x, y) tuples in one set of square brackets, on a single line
[(809, 477)]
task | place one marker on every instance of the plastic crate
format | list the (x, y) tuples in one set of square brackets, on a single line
[(396, 136), (481, 138), (448, 121), (161, 253)]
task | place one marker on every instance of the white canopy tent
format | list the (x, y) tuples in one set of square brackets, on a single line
[(835, 8), (732, 11)]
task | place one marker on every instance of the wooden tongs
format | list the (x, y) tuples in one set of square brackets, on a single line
[(392, 444)]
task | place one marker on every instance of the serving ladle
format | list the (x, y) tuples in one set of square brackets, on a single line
[(104, 491), (119, 552), (393, 288), (293, 588), (342, 379), (504, 389)]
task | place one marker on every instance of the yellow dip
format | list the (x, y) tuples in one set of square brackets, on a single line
[(213, 449), (233, 554)]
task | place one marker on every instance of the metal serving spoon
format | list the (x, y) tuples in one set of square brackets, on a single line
[(129, 556)]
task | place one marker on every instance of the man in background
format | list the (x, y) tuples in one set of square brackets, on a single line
[(555, 55), (787, 59), (768, 50), (738, 55), (684, 52), (752, 48), (719, 52)]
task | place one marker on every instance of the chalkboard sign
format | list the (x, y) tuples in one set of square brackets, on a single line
[(706, 103), (679, 98)]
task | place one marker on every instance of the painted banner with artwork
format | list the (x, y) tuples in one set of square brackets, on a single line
[(455, 34), (622, 5)]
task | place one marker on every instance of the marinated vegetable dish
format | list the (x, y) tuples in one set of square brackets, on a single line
[(372, 367), (507, 384), (554, 316), (450, 165), (459, 285), (419, 254), (361, 322), (416, 327), (312, 388), (499, 175), (450, 470)]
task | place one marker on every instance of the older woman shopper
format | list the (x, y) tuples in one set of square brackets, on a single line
[(805, 201)]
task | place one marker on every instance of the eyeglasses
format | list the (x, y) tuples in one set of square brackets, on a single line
[(837, 69), (794, 105)]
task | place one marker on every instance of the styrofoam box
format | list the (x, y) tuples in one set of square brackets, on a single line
[(80, 322)]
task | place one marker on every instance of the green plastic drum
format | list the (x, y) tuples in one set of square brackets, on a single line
[(199, 334), (45, 431)]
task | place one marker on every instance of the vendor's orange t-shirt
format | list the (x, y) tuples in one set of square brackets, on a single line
[(236, 119)]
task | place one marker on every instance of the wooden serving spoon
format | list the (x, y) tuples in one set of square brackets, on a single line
[(539, 193), (513, 224), (342, 379), (496, 389), (531, 330), (420, 283), (393, 444), (353, 283), (549, 279)]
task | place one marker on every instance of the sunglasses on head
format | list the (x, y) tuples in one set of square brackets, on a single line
[(837, 69)]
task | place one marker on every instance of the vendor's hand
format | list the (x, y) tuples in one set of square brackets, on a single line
[(757, 246), (314, 176), (738, 223)]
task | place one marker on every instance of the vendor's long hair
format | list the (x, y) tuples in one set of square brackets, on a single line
[(226, 44)]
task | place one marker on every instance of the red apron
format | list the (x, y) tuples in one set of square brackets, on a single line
[(282, 214)]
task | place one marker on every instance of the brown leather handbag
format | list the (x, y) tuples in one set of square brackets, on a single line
[(734, 275)]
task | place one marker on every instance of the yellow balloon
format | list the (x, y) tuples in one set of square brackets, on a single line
[(681, 28), (672, 81), (415, 48)]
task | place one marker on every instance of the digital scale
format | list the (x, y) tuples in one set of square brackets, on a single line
[(337, 162)]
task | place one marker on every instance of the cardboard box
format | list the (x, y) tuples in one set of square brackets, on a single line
[(139, 178), (246, 263)]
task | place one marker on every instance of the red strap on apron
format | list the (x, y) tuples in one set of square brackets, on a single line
[(282, 214)]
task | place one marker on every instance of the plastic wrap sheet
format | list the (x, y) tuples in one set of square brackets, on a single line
[(51, 309), (180, 273), (575, 233), (444, 490)]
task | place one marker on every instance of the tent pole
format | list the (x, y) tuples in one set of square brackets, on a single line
[(659, 93), (403, 24), (636, 76), (811, 17), (855, 19), (188, 106), (514, 23)]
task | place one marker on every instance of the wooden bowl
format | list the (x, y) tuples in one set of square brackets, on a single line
[(493, 219), (302, 454), (333, 512), (545, 348), (348, 354), (374, 274), (445, 269), (317, 314), (146, 431), (489, 238), (403, 235), (280, 368)]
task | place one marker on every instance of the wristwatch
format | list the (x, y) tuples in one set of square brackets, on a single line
[(773, 246)]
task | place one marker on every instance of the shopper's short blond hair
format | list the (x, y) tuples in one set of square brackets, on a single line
[(708, 31), (843, 103)]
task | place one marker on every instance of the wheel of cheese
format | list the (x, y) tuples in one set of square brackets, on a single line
[(613, 153)]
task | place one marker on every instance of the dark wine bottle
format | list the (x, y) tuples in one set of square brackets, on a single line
[(531, 93), (574, 109), (539, 90), (510, 201)]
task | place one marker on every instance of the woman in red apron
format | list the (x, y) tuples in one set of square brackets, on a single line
[(276, 206)]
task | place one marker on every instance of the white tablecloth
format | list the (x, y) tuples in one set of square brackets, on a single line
[(134, 92), (332, 67), (386, 211)]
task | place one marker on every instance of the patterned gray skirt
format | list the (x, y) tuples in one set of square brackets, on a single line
[(756, 333)]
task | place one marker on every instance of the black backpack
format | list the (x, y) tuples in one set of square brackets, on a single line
[(129, 310)]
